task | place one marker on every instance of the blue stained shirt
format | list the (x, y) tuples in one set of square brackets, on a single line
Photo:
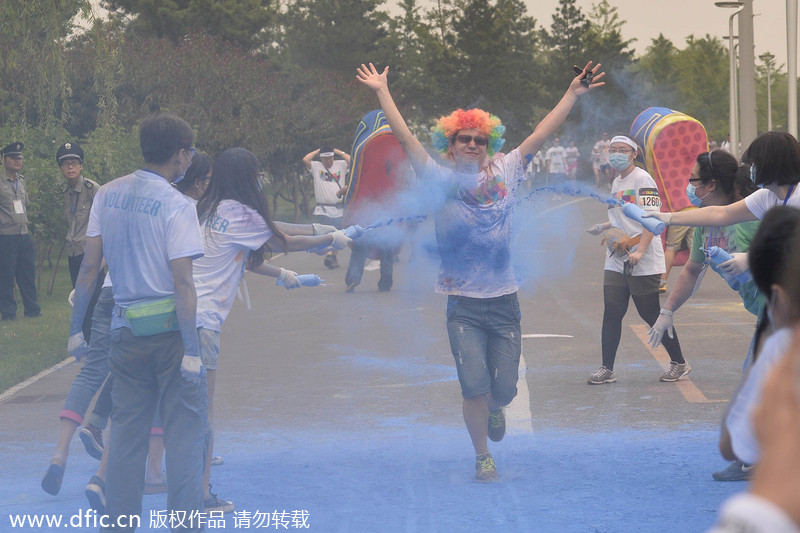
[(473, 228), (144, 223)]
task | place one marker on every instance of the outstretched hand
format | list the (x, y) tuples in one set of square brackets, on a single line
[(369, 76), (588, 73)]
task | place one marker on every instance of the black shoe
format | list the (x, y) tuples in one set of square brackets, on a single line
[(350, 287), (96, 494), (736, 471), (51, 482)]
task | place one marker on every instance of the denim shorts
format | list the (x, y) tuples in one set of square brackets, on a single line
[(486, 341), (209, 347)]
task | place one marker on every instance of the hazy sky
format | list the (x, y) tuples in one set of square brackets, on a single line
[(677, 19)]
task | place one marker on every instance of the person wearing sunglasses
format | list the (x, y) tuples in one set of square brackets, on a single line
[(635, 274), (473, 233)]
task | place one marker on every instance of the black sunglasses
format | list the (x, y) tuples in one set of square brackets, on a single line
[(466, 139)]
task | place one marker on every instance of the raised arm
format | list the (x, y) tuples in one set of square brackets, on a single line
[(377, 81), (344, 155), (559, 113), (310, 157)]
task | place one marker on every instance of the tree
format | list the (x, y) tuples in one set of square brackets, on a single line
[(617, 104), (702, 83), (280, 112), (243, 22), (565, 39), (481, 57), (656, 72), (335, 35), (33, 72)]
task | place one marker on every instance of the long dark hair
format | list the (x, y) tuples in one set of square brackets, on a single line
[(236, 177)]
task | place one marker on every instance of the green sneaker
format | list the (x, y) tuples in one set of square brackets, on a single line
[(485, 469), (497, 425)]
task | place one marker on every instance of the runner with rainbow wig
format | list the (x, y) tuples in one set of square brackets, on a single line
[(473, 234)]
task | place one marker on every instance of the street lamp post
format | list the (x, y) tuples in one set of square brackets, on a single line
[(735, 86), (767, 59), (733, 107)]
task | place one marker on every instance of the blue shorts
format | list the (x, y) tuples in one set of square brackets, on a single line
[(209, 347), (486, 341)]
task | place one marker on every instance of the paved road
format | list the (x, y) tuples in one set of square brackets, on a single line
[(347, 405)]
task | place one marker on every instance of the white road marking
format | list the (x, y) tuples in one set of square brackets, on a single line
[(31, 380), (519, 419)]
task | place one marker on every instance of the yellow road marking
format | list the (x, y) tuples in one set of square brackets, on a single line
[(685, 384)]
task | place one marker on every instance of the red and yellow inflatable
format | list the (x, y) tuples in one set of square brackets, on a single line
[(671, 141)]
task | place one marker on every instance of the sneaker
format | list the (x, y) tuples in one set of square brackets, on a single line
[(217, 460), (736, 471), (92, 439), (51, 482), (663, 287), (96, 494), (214, 503), (350, 287), (497, 425), (675, 372), (603, 375), (485, 469)]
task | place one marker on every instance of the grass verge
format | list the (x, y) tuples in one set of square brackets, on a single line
[(29, 345)]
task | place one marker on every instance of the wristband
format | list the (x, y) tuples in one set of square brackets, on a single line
[(665, 312)]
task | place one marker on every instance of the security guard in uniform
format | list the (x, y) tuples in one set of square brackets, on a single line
[(17, 256), (78, 197)]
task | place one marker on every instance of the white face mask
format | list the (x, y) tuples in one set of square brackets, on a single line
[(619, 161), (182, 172)]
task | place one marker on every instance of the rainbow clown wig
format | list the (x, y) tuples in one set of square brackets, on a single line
[(448, 126)]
